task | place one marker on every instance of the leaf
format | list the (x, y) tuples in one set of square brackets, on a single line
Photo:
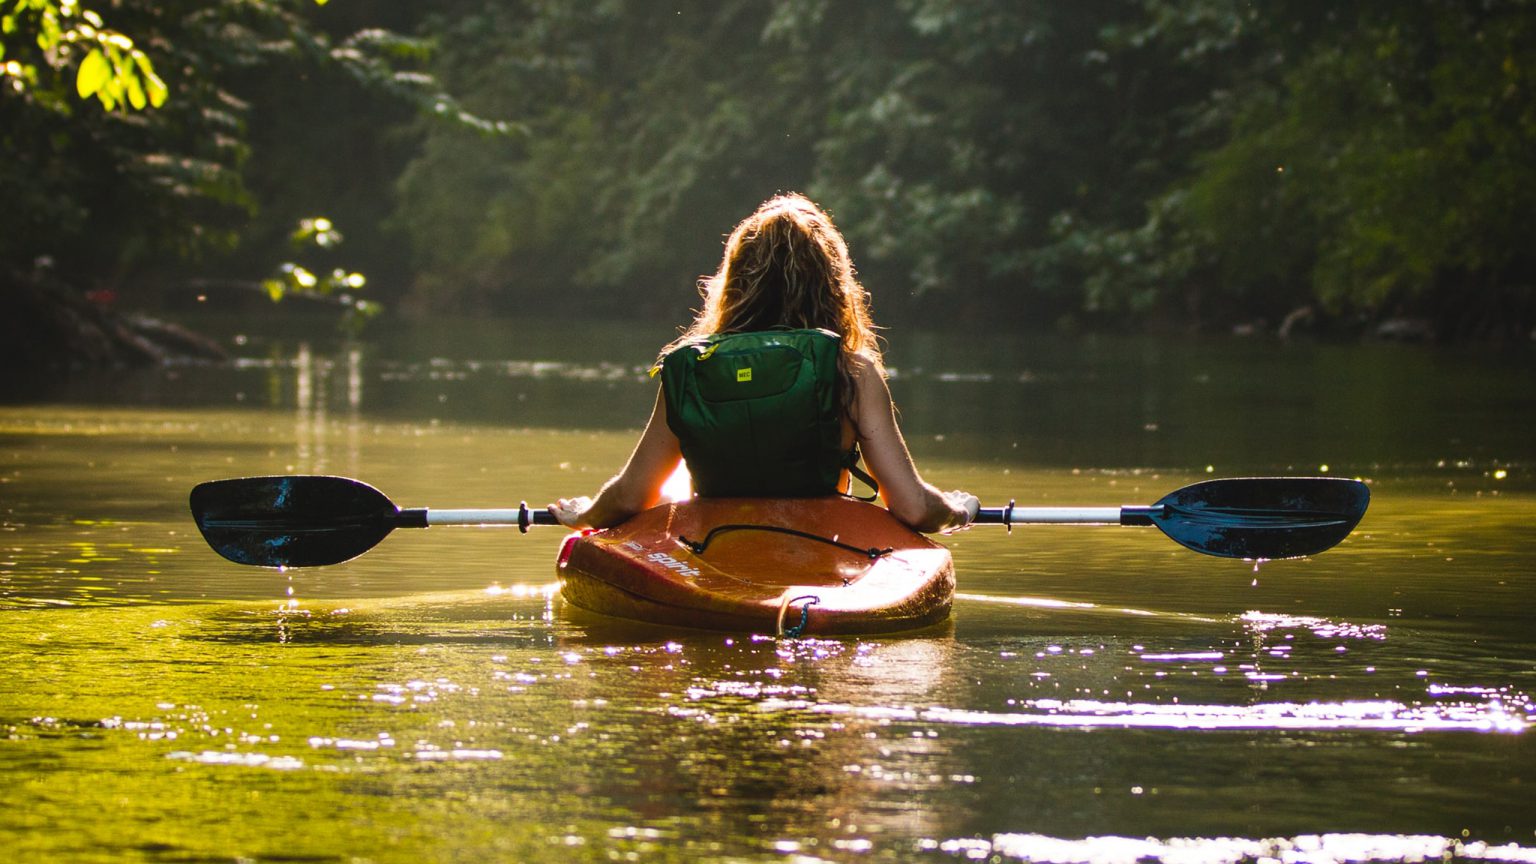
[(94, 72), (155, 88), (136, 96)]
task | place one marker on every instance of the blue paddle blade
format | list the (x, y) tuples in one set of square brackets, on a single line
[(295, 521), (1261, 518)]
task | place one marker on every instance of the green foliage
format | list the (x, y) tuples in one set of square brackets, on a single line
[(650, 135), (111, 67), (319, 234), (928, 158), (118, 196), (612, 187), (1193, 163), (1374, 160)]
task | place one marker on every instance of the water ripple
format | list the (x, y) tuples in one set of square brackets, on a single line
[(1304, 849), (1511, 715)]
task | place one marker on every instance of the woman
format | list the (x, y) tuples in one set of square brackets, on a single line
[(786, 322)]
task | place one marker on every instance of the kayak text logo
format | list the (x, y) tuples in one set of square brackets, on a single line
[(672, 564)]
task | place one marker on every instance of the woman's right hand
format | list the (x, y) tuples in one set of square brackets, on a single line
[(965, 507), (572, 512)]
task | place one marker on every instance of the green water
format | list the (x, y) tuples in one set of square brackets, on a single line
[(1101, 694)]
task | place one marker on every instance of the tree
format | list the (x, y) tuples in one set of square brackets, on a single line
[(104, 196), (638, 152), (1369, 161), (936, 134)]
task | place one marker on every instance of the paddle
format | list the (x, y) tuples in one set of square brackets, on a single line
[(1253, 518), (309, 521)]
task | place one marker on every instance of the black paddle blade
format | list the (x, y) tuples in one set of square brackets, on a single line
[(1263, 518), (295, 521)]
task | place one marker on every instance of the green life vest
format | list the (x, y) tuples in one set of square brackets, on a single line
[(759, 414)]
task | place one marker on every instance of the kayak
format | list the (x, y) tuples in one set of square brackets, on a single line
[(801, 566)]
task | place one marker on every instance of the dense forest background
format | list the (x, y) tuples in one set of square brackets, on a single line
[(1352, 169)]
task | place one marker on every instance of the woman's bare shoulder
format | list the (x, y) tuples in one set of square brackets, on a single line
[(862, 365), (871, 394)]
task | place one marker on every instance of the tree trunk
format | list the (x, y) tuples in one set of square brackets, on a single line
[(48, 329)]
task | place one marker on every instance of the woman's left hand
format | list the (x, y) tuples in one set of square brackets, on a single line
[(962, 503)]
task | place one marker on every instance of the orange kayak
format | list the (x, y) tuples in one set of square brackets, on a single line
[(812, 566)]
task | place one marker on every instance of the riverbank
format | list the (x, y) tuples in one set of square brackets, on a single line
[(48, 329)]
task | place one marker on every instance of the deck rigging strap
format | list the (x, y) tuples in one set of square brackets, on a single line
[(805, 614), (698, 547)]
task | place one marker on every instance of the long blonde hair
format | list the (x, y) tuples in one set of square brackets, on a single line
[(787, 265)]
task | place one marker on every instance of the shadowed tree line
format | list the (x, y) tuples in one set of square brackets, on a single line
[(1298, 164)]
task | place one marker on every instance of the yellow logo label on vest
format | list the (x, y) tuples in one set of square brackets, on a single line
[(744, 375)]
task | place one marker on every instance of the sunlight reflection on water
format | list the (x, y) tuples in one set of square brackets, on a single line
[(1306, 849), (1491, 716), (1264, 622)]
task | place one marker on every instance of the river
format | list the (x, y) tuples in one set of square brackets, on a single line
[(1101, 694)]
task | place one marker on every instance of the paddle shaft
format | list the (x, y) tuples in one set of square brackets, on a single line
[(1012, 515), (522, 517)]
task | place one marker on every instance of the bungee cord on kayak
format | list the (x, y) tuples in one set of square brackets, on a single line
[(697, 547)]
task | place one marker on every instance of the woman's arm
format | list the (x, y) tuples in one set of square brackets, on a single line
[(636, 487), (911, 499)]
